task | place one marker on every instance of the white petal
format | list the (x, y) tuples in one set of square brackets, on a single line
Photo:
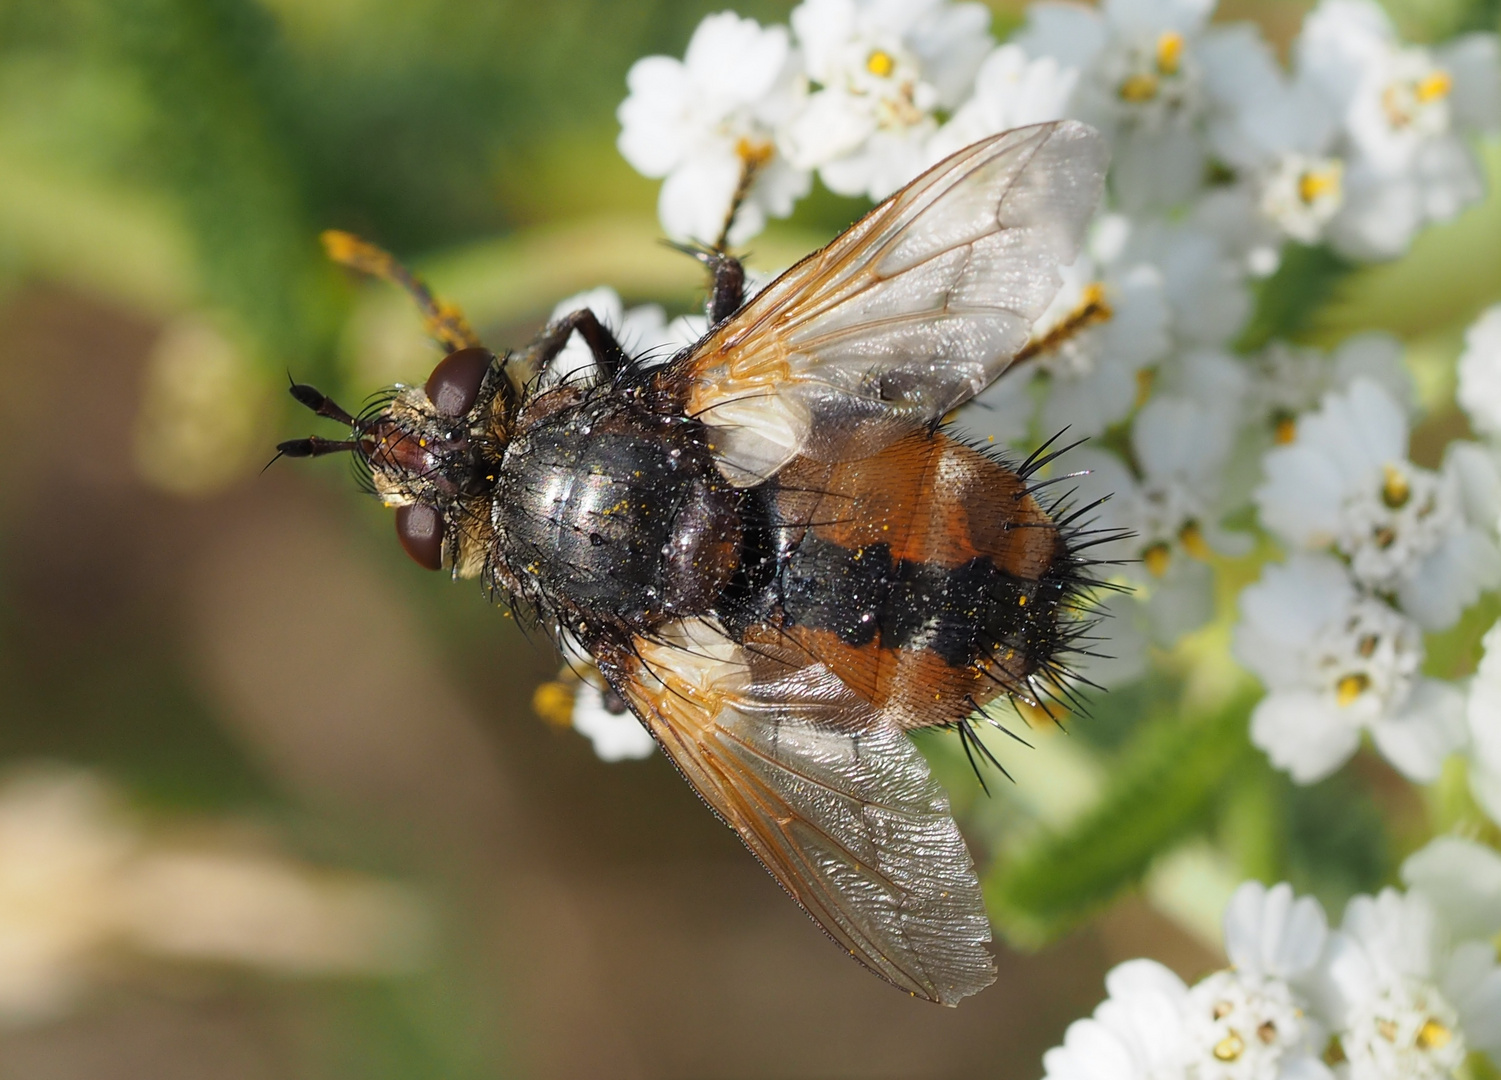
[(1181, 601), (1377, 356), (1088, 405), (1090, 1051), (1474, 63), (1179, 437), (951, 43), (1070, 33), (831, 125), (1480, 372), (1484, 705), (695, 198), (1284, 612), (823, 27), (1302, 497), (1145, 1011), (1429, 727), (1397, 933), (1150, 16), (1451, 578), (1135, 978), (1462, 880), (1270, 933), (1155, 169), (1118, 645), (735, 59), (1343, 980), (616, 737), (653, 121), (1302, 734), (1382, 213), (1477, 993), (1485, 785), (1303, 1068), (1449, 178), (1002, 413)]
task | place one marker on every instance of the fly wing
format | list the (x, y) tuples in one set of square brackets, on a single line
[(909, 313), (831, 796)]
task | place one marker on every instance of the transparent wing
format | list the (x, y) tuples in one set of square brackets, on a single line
[(832, 798), (909, 313)]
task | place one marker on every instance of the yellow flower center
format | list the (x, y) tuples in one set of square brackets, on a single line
[(1433, 87), (1395, 487), (880, 63), (553, 701), (1192, 538), (1230, 1047), (1286, 430), (1348, 689), (753, 152), (1433, 1035), (1157, 557), (1314, 184), (1138, 88), (1170, 52)]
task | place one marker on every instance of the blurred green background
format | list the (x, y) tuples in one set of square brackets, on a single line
[(256, 669)]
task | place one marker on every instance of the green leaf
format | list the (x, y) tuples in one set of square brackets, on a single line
[(1164, 787), (1286, 301)]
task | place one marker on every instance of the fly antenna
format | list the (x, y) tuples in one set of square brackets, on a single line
[(313, 446), (320, 403)]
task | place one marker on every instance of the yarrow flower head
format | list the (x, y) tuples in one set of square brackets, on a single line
[(1405, 1003), (1243, 1023), (708, 122), (1170, 510), (1011, 90), (1345, 483), (1108, 323), (1336, 662), (881, 70), (1148, 82), (1403, 113), (1288, 380)]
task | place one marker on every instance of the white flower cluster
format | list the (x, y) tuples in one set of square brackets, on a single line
[(1381, 551), (1360, 142), (1405, 989)]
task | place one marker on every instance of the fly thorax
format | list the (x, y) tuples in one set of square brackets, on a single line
[(617, 515)]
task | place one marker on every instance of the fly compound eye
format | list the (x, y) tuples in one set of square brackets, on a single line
[(454, 384), (420, 529)]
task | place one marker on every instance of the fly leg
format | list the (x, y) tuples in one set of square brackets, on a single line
[(607, 352), (726, 280), (726, 285)]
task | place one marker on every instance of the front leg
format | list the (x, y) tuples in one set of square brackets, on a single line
[(607, 353), (726, 280), (727, 286)]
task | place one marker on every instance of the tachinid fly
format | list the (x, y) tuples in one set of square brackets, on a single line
[(777, 555)]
